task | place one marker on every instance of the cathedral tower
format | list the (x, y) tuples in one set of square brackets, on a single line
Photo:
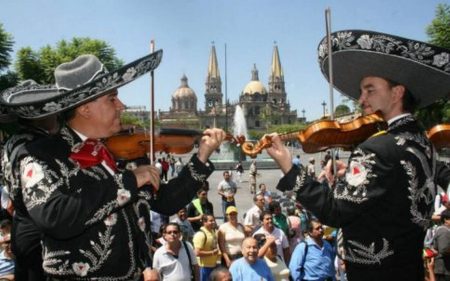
[(277, 92), (213, 94)]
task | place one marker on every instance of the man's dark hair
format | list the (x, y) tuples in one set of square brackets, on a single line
[(171, 224), (201, 189), (205, 217), (265, 213), (445, 215), (273, 205), (311, 225), (5, 223), (409, 102)]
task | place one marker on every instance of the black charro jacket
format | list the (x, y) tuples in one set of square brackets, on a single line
[(383, 204), (95, 224)]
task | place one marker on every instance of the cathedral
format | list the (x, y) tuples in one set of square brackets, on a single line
[(261, 106)]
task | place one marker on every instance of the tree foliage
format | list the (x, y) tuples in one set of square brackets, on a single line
[(439, 33), (7, 77), (439, 29), (342, 109), (6, 47), (40, 65)]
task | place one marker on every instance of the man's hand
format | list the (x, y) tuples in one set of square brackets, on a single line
[(211, 140), (147, 174), (280, 153)]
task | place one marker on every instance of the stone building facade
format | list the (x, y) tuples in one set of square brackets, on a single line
[(261, 106)]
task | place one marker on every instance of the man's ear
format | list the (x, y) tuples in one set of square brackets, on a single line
[(84, 110), (399, 92)]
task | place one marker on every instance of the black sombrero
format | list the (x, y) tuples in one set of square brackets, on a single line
[(423, 68), (77, 82)]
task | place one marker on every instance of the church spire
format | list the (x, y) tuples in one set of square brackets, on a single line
[(277, 70), (255, 73), (213, 93), (213, 66)]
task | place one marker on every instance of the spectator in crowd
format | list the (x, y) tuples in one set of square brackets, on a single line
[(206, 247), (199, 207), (158, 165), (279, 219), (295, 231), (252, 217), (442, 246), (239, 171), (277, 266), (311, 168), (296, 161), (7, 263), (165, 169), (172, 165), (253, 171), (250, 267), (267, 195), (227, 189), (175, 260), (179, 165), (187, 231), (220, 273), (272, 232), (230, 235), (314, 258)]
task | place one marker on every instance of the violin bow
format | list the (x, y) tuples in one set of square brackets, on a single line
[(152, 108), (330, 76)]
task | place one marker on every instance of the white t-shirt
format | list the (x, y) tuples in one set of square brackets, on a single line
[(280, 239), (172, 268), (252, 217)]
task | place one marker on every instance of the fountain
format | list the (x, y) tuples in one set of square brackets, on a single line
[(229, 154)]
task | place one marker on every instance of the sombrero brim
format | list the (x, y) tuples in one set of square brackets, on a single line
[(423, 68), (34, 107)]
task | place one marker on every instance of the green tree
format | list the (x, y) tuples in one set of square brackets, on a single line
[(341, 109), (439, 29), (439, 33), (130, 119), (7, 77), (40, 65), (6, 44)]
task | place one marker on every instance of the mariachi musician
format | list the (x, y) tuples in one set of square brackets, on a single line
[(384, 202), (93, 216)]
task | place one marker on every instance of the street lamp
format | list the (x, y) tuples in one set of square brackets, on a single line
[(324, 104), (303, 112)]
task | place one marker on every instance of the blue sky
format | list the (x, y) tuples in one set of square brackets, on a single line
[(184, 29)]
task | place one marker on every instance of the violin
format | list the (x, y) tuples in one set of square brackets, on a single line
[(325, 134), (439, 135), (133, 144)]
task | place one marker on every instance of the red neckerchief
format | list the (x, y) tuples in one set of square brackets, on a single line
[(91, 153)]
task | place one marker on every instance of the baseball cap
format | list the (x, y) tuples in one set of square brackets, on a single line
[(231, 209)]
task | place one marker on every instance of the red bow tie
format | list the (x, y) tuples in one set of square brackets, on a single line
[(91, 153)]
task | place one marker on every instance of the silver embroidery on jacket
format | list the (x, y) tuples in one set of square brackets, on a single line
[(359, 253), (358, 177), (194, 173)]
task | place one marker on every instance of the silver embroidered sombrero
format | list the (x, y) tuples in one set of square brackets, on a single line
[(77, 82), (423, 68), (27, 91)]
